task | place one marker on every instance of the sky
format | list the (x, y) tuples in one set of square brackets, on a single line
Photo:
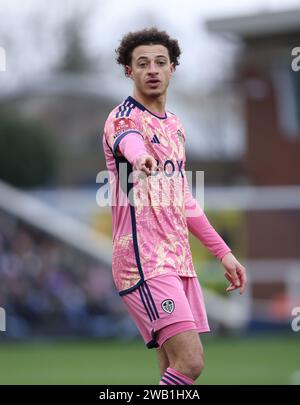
[(29, 32)]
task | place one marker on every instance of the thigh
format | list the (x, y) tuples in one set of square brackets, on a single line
[(185, 346)]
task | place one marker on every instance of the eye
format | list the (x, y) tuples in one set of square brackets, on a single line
[(161, 62), (142, 65)]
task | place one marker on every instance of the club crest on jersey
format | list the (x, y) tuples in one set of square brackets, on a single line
[(168, 306)]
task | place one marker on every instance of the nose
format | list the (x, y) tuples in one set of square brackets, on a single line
[(152, 68)]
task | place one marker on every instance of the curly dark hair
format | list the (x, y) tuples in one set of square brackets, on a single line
[(146, 37)]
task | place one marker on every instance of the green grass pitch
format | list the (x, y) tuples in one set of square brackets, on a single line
[(232, 360)]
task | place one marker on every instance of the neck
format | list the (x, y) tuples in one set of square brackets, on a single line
[(154, 104)]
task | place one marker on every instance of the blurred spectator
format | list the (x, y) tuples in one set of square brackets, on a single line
[(48, 288)]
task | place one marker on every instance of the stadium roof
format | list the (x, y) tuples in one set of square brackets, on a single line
[(258, 24)]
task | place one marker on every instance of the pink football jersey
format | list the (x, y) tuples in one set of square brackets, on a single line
[(150, 234)]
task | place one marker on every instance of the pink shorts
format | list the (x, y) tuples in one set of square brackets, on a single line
[(166, 305)]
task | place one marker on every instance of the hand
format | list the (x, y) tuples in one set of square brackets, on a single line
[(145, 163), (235, 273)]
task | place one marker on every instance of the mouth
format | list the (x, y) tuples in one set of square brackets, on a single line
[(153, 82)]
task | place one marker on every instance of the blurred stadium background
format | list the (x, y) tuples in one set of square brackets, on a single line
[(239, 100)]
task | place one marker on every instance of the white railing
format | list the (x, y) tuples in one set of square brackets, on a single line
[(51, 220)]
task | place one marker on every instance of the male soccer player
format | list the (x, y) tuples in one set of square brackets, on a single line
[(152, 263)]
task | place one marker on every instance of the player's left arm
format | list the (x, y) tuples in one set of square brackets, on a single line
[(234, 272), (201, 228)]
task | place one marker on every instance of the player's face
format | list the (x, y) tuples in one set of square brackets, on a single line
[(151, 69)]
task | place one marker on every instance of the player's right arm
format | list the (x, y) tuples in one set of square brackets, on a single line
[(125, 139), (145, 163)]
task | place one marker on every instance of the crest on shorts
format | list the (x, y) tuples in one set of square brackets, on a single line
[(168, 306)]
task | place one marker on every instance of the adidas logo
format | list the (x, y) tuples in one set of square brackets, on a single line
[(155, 139)]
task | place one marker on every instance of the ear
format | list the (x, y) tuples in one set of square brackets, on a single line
[(172, 68), (128, 71)]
